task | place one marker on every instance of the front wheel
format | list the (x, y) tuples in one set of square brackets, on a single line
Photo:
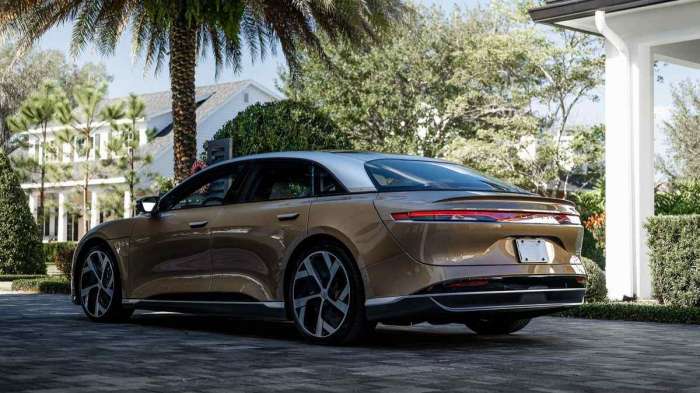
[(497, 325), (100, 287), (326, 296)]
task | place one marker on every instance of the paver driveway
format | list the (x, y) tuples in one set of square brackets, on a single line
[(47, 345)]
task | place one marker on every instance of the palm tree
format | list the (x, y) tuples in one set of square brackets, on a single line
[(38, 111), (184, 29)]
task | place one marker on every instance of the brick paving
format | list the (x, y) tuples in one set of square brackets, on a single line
[(46, 345)]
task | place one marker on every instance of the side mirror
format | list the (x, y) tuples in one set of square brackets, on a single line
[(147, 205)]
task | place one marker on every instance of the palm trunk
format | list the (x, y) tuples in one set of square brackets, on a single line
[(183, 58)]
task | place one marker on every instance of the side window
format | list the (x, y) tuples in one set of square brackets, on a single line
[(326, 183), (214, 189), (283, 179)]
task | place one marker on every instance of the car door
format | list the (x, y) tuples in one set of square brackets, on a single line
[(170, 252), (251, 238)]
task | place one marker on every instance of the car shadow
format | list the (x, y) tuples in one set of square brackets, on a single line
[(421, 336)]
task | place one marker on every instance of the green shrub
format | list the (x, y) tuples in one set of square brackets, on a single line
[(282, 126), (674, 250), (596, 291), (45, 284), (591, 206), (20, 246), (13, 277), (60, 254), (635, 312), (681, 199)]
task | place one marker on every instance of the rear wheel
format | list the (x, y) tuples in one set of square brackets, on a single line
[(326, 296), (100, 287), (497, 325)]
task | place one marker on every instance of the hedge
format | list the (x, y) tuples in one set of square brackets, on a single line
[(13, 277), (635, 312), (44, 284), (596, 291), (674, 250), (60, 254)]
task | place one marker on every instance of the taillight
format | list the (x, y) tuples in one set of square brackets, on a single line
[(488, 216)]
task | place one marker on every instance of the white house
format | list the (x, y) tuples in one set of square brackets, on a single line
[(216, 104), (637, 33)]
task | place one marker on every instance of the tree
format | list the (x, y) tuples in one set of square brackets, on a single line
[(282, 125), (431, 80), (20, 246), (38, 111), (20, 76), (484, 87), (80, 122), (185, 28), (123, 146), (683, 163)]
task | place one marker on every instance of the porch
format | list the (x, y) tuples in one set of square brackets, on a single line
[(637, 34)]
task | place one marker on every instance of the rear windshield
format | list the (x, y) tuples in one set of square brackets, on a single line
[(414, 175)]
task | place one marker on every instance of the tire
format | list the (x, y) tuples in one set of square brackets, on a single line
[(326, 296), (497, 325), (99, 275)]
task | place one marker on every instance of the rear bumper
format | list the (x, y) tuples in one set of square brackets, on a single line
[(456, 307)]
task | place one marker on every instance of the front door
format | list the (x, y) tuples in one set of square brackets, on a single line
[(251, 238), (170, 255)]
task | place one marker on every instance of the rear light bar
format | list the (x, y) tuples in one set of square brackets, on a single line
[(488, 216)]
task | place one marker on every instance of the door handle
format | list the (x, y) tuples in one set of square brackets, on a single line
[(288, 216), (198, 224)]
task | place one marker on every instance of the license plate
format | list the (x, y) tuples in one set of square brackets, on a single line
[(534, 250)]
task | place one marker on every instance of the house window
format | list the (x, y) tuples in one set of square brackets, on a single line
[(246, 98), (96, 146), (72, 221), (50, 223), (79, 147), (51, 151), (47, 224), (34, 152)]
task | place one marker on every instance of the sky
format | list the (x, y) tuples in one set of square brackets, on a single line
[(129, 74)]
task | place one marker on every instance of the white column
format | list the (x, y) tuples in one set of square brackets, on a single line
[(629, 169), (643, 168), (94, 208), (61, 230), (32, 204), (127, 204), (619, 201)]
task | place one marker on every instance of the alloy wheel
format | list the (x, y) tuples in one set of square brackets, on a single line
[(321, 294), (97, 283)]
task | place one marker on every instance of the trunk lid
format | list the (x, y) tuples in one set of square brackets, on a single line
[(478, 228)]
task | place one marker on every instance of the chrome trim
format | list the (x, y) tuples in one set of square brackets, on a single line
[(505, 306), (393, 299), (276, 305)]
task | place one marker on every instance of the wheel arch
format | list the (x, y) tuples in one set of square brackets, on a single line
[(79, 254)]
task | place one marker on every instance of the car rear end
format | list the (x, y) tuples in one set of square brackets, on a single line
[(475, 245)]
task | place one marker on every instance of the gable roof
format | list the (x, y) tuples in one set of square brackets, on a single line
[(207, 97), (555, 11)]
